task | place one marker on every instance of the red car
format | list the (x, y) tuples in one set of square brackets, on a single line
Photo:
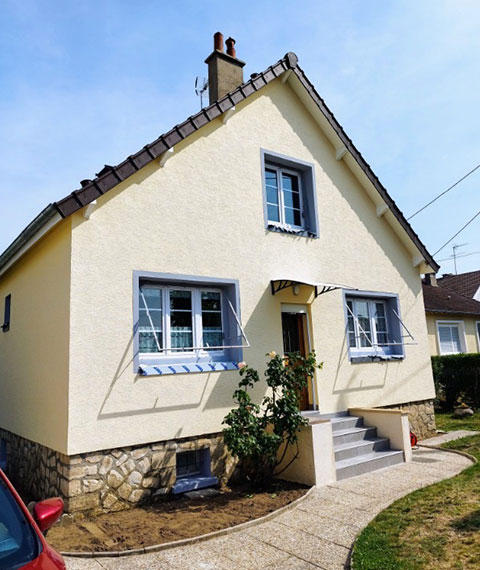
[(22, 544)]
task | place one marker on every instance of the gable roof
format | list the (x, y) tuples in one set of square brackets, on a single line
[(465, 283), (443, 300), (111, 176)]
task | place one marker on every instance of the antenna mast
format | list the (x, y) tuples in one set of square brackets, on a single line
[(455, 247), (201, 87)]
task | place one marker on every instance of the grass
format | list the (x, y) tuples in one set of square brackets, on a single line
[(437, 527), (446, 422)]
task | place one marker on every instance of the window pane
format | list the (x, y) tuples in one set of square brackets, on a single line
[(272, 195), (212, 320), (351, 326), (271, 178), (293, 217), (291, 199), (289, 182), (273, 214), (181, 329), (147, 343), (212, 339), (363, 317), (455, 339), (188, 463), (144, 320), (210, 301), (181, 300), (152, 296)]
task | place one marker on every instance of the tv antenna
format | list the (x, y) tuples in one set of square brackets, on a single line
[(455, 247), (201, 87)]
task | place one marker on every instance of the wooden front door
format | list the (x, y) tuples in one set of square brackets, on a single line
[(295, 340)]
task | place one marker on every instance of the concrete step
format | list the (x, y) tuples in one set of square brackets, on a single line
[(366, 463), (358, 448), (351, 435), (346, 423)]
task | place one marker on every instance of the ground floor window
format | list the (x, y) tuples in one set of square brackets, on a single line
[(373, 325), (451, 337), (184, 323)]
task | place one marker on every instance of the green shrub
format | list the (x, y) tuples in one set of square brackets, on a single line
[(457, 377), (255, 432)]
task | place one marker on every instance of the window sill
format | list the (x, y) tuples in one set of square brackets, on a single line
[(166, 369), (293, 231), (376, 358), (191, 483)]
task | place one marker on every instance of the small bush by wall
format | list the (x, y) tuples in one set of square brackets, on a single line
[(457, 376)]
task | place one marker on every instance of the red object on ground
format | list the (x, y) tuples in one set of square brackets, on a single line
[(30, 551), (413, 439)]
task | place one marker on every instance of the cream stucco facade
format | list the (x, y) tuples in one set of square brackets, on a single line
[(70, 347), (468, 327)]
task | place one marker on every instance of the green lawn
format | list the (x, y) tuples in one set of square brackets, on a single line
[(446, 422), (437, 527)]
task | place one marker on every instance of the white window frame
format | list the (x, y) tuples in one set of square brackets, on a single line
[(374, 347), (461, 335), (197, 348), (281, 204), (477, 330)]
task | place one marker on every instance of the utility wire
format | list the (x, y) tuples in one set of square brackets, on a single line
[(460, 255), (445, 191), (459, 231)]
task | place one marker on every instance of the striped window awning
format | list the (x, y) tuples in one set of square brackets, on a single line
[(165, 369)]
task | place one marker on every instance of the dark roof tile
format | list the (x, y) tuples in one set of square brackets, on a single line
[(442, 300), (465, 283)]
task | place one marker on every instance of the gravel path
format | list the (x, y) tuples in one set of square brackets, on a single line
[(319, 533)]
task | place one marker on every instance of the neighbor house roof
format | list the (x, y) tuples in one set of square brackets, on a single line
[(465, 283), (443, 300), (111, 176)]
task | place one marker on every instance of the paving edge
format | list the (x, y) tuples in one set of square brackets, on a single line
[(193, 539), (472, 458)]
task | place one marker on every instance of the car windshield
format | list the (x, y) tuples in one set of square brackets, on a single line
[(18, 541)]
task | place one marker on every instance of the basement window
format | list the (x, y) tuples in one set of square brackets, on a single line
[(193, 471)]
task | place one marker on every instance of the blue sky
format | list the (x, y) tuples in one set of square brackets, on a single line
[(86, 83)]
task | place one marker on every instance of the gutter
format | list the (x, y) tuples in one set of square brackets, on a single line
[(36, 229)]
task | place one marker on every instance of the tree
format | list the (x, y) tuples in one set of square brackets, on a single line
[(255, 433)]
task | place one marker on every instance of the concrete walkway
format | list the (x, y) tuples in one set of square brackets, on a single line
[(319, 533)]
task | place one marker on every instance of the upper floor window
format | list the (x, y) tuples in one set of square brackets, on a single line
[(289, 195), (284, 198)]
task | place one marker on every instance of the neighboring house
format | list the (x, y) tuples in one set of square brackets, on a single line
[(255, 225), (467, 284), (453, 319)]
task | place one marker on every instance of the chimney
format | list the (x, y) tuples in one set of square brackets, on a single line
[(225, 71), (431, 279)]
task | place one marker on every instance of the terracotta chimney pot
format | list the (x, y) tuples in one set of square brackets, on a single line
[(218, 41), (231, 47)]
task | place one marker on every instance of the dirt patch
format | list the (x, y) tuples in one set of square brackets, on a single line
[(173, 519)]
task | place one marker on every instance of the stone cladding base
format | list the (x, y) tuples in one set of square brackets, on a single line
[(108, 480), (421, 416)]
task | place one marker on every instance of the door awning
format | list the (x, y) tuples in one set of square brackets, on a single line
[(319, 287)]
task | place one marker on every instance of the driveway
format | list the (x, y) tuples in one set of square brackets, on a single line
[(318, 533)]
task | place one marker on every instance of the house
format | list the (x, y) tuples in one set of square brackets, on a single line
[(254, 225), (453, 314), (467, 284)]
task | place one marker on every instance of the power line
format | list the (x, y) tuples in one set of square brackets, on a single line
[(459, 256), (445, 191), (459, 231)]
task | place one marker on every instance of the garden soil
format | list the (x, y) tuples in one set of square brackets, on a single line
[(174, 519)]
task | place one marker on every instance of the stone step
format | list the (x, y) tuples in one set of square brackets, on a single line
[(343, 437), (346, 423), (366, 463), (358, 448)]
